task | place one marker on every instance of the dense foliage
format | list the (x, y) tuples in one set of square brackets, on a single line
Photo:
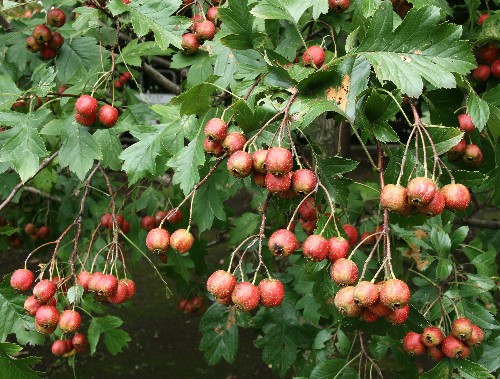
[(88, 168)]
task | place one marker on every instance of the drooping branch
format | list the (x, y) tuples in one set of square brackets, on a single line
[(160, 79), (489, 224), (6, 25)]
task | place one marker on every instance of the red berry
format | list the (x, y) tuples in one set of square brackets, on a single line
[(339, 6), (282, 243), (367, 238), (190, 43), (239, 164), (456, 196), (259, 161), (315, 248), (272, 292), (86, 106), (125, 77), (56, 42), (22, 279), (461, 328), (148, 223), (482, 72), (421, 191), (466, 124), (309, 226), (473, 156), (435, 353), (85, 121), (213, 14), (394, 294), (456, 152), (69, 321), (344, 272), (216, 129), (205, 30), (413, 345), (130, 287), (106, 220), (313, 56), (83, 278), (279, 160), (94, 282), (435, 207), (47, 316), (482, 18), (108, 115), (48, 53), (157, 240), (307, 209), (453, 348), (379, 309), (394, 198), (338, 247), (197, 302), (344, 301), (125, 228), (41, 34), (43, 232), (366, 293), (495, 68), (368, 316), (121, 294), (221, 284), (31, 305), (488, 53), (107, 285), (224, 300), (303, 181), (59, 347), (32, 45), (352, 234), (398, 316), (213, 147), (197, 18), (246, 296), (181, 241), (79, 342), (44, 290), (233, 142), (174, 216), (56, 18), (259, 179), (118, 85), (476, 337), (278, 183), (432, 336)]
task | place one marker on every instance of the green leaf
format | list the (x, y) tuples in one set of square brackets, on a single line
[(110, 144), (239, 22), (13, 317), (43, 78), (444, 268), (78, 150), (181, 264), (441, 370), (483, 261), (291, 10), (334, 166), (154, 15), (458, 236), (441, 242), (8, 230), (479, 315), (489, 359), (419, 48), (478, 110), (76, 55), (8, 92), (470, 370), (444, 138), (186, 162), (115, 339), (219, 334), (331, 368), (244, 226), (16, 368), (75, 294), (133, 52), (197, 99), (441, 4)]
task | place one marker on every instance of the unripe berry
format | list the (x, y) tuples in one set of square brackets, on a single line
[(69, 321), (432, 336), (421, 191), (216, 129), (282, 243), (181, 241), (338, 247), (279, 161), (313, 56), (344, 272), (272, 292), (245, 296), (239, 164), (22, 279), (221, 284), (394, 294), (344, 301), (315, 248), (157, 240), (413, 345), (461, 328)]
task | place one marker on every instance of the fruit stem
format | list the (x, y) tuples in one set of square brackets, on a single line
[(262, 235), (238, 248), (298, 206), (332, 206)]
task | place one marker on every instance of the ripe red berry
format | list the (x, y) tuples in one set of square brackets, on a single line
[(366, 293), (466, 124), (118, 85), (282, 243), (398, 316), (22, 279), (69, 321), (456, 152), (495, 68), (56, 18), (205, 30), (44, 290), (344, 272), (309, 226), (246, 296), (106, 220), (488, 53), (107, 285), (174, 216), (108, 115), (379, 309), (125, 77), (453, 348), (56, 42), (31, 305), (121, 294), (368, 316), (435, 207), (344, 301), (32, 45), (239, 164), (272, 292), (432, 336), (421, 191), (213, 14), (279, 160), (85, 121), (394, 198), (212, 147), (43, 232), (461, 328), (315, 248), (473, 156), (48, 53), (190, 43), (278, 183), (41, 34), (352, 234), (86, 106), (476, 337), (59, 347), (313, 56), (482, 18), (94, 282), (130, 287), (339, 6), (125, 228), (259, 179), (338, 247), (307, 209), (197, 18), (303, 181), (83, 278), (233, 142), (221, 284), (197, 302), (259, 161), (148, 223), (367, 238), (181, 240), (456, 196), (394, 294), (216, 130), (413, 345), (47, 316), (79, 342), (157, 240), (482, 72)]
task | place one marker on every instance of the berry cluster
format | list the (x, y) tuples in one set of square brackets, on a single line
[(43, 232), (45, 41), (490, 64), (122, 80), (425, 197), (107, 287), (464, 335), (245, 295), (86, 112), (193, 305), (107, 222), (203, 28)]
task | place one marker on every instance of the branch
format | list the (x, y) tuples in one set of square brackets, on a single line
[(42, 194), (16, 189), (161, 80), (6, 25), (489, 224)]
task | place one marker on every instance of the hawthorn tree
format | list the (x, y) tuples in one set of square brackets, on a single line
[(341, 275)]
